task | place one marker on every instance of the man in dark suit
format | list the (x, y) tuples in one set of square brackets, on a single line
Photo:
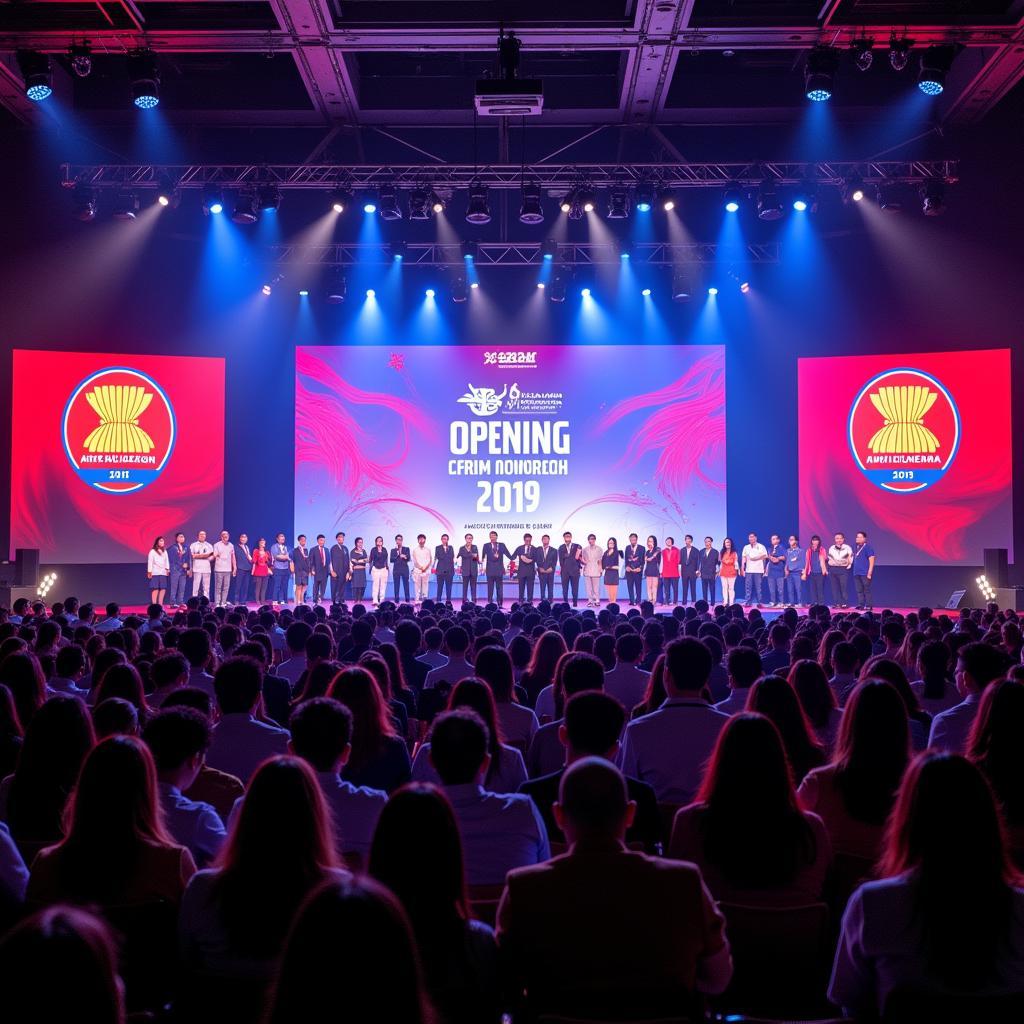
[(469, 566), (320, 567), (707, 565), (525, 557), (547, 561), (302, 565), (494, 555), (592, 726), (444, 568), (340, 568), (399, 558), (633, 558), (243, 557), (688, 569), (569, 556)]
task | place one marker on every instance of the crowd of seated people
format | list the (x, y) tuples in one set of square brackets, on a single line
[(453, 815)]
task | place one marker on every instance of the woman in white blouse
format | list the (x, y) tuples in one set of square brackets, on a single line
[(158, 571)]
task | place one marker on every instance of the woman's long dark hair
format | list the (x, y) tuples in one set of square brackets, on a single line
[(754, 831), (550, 646), (996, 745), (494, 666), (773, 697), (880, 667), (356, 688), (933, 664), (945, 831), (22, 674), (810, 682), (476, 695)]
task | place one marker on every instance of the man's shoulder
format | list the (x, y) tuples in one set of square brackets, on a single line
[(542, 785)]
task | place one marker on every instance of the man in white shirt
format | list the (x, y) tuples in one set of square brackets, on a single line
[(422, 562), (456, 643), (240, 741), (321, 731), (977, 665), (70, 667), (202, 558), (500, 831), (840, 558), (754, 556), (224, 568), (112, 621), (626, 682), (668, 748)]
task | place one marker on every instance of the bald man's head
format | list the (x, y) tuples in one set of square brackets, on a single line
[(593, 802)]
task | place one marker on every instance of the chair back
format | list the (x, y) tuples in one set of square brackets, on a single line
[(667, 813), (149, 951), (903, 1007), (848, 872), (484, 900)]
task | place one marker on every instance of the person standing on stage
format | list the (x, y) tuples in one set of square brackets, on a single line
[(670, 572), (320, 567), (469, 559), (610, 559), (262, 562), (494, 555), (282, 563), (422, 563), (301, 566), (357, 567), (379, 571), (633, 559), (795, 560), (444, 568), (776, 572), (224, 568), (707, 567), (840, 558), (181, 568), (815, 570), (243, 559), (341, 568), (547, 560), (652, 568), (752, 567), (688, 570), (525, 557), (569, 556), (728, 571), (202, 556), (863, 570), (158, 571), (400, 556), (591, 563)]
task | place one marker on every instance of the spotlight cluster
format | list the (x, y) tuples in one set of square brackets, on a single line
[(45, 584), (143, 73), (986, 588)]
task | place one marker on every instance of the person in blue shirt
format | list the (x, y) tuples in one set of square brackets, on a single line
[(795, 561), (281, 569), (863, 569), (776, 574)]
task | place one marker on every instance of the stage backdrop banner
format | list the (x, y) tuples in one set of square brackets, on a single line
[(914, 449), (465, 439), (110, 450)]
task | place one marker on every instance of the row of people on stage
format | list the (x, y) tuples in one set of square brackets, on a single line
[(668, 573)]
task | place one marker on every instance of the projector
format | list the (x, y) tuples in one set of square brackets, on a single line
[(507, 97)]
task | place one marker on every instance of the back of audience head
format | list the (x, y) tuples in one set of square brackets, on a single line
[(494, 666), (593, 802), (459, 742), (238, 684), (687, 667), (115, 716), (773, 697), (357, 689), (178, 738), (21, 673), (995, 745), (321, 733), (593, 725)]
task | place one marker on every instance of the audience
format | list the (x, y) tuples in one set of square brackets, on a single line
[(977, 665), (773, 697)]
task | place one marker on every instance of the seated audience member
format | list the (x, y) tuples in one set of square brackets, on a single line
[(947, 914), (668, 748), (456, 643), (322, 735), (13, 879), (817, 699), (747, 803), (777, 655), (458, 953), (854, 793), (178, 739), (744, 666), (115, 716), (977, 665), (169, 673), (409, 641), (518, 723), (499, 831), (234, 916), (891, 671), (22, 674), (845, 661), (432, 657), (70, 668), (934, 687), (379, 758), (540, 672), (592, 727), (81, 949), (506, 771), (125, 682), (116, 851), (295, 637), (626, 682), (240, 740), (196, 646), (773, 697), (350, 954), (11, 734), (34, 798), (601, 929)]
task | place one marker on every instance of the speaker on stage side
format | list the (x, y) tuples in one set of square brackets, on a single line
[(997, 570), (26, 567)]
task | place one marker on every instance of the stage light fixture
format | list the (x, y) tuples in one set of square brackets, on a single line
[(644, 196), (531, 209), (388, 205), (712, 291), (666, 199), (268, 198), (732, 199), (126, 206), (618, 203), (820, 73), (899, 52), (80, 56), (244, 210), (587, 199), (398, 249), (805, 199), (371, 293), (36, 73), (303, 293), (645, 292), (474, 284), (419, 205), (144, 76), (684, 281), (624, 247), (541, 285), (337, 287), (369, 201), (83, 203), (769, 204), (566, 204), (556, 290), (478, 211), (585, 293), (459, 291), (430, 293), (933, 198), (744, 287), (890, 198), (986, 588), (853, 190), (864, 53), (267, 289), (341, 199), (549, 248), (213, 200), (935, 64), (168, 193), (470, 249), (437, 204)]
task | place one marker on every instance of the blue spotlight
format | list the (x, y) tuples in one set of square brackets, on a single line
[(469, 250), (712, 290), (370, 293), (303, 292), (732, 200), (213, 200), (541, 285), (369, 205), (645, 292), (800, 204), (474, 284), (935, 64), (585, 292), (430, 293), (36, 74), (644, 197), (144, 76), (820, 73)]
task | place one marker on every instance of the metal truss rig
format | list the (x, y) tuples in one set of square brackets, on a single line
[(525, 254), (555, 178)]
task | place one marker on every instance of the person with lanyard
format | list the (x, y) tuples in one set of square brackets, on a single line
[(341, 568), (569, 556), (707, 566), (379, 571), (525, 557), (670, 571), (815, 570), (422, 563), (591, 563), (180, 559), (262, 562), (840, 558), (400, 560), (243, 558), (301, 565), (633, 564), (795, 560), (752, 568), (282, 570), (494, 555), (444, 568), (610, 563), (357, 568), (863, 570), (158, 570), (652, 568), (776, 572), (202, 569), (547, 562), (469, 559), (728, 571)]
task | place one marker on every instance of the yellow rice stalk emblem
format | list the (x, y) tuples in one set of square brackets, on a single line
[(904, 409), (119, 407)]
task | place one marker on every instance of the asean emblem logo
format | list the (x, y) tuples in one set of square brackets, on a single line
[(904, 430), (118, 430)]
